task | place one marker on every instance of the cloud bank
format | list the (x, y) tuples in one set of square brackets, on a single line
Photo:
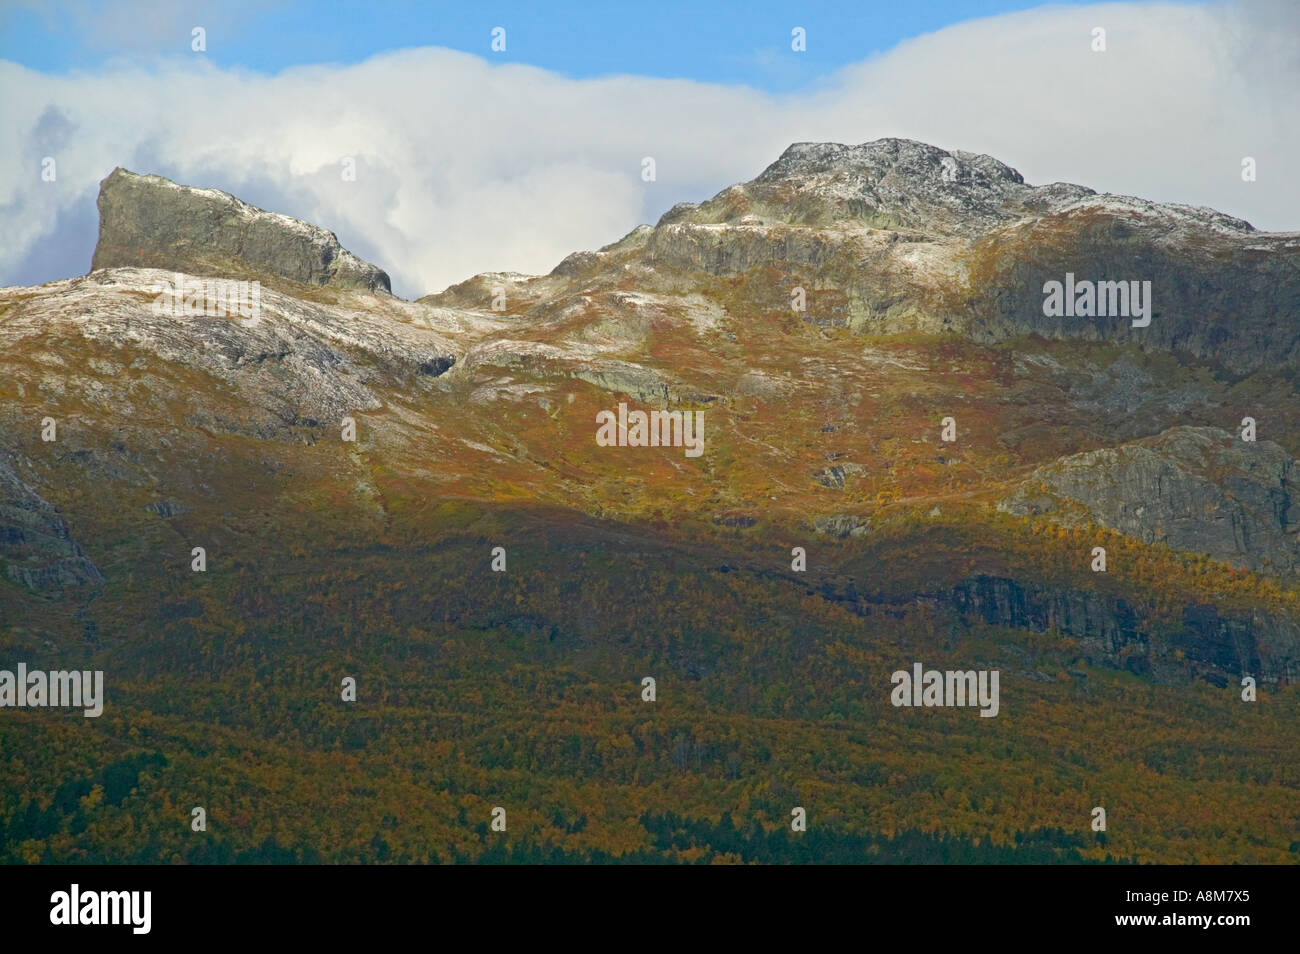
[(465, 166)]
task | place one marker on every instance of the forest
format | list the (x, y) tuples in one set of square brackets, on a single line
[(523, 690)]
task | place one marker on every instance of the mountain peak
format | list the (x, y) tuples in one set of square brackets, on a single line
[(896, 184), (882, 157), (149, 221)]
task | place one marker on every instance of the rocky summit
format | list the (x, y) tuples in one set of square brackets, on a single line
[(151, 222), (882, 405)]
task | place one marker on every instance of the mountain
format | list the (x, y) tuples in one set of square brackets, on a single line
[(908, 362)]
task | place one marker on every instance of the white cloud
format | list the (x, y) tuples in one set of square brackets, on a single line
[(465, 166)]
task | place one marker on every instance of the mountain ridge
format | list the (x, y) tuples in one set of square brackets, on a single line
[(881, 252)]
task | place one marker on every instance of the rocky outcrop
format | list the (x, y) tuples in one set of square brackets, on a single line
[(36, 547), (1194, 489), (147, 221), (167, 508), (622, 377), (838, 475), (841, 525)]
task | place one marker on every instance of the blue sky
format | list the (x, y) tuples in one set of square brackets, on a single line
[(727, 42)]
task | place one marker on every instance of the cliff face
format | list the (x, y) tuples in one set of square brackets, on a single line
[(151, 222), (35, 545), (1194, 489), (1220, 291), (1113, 631)]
